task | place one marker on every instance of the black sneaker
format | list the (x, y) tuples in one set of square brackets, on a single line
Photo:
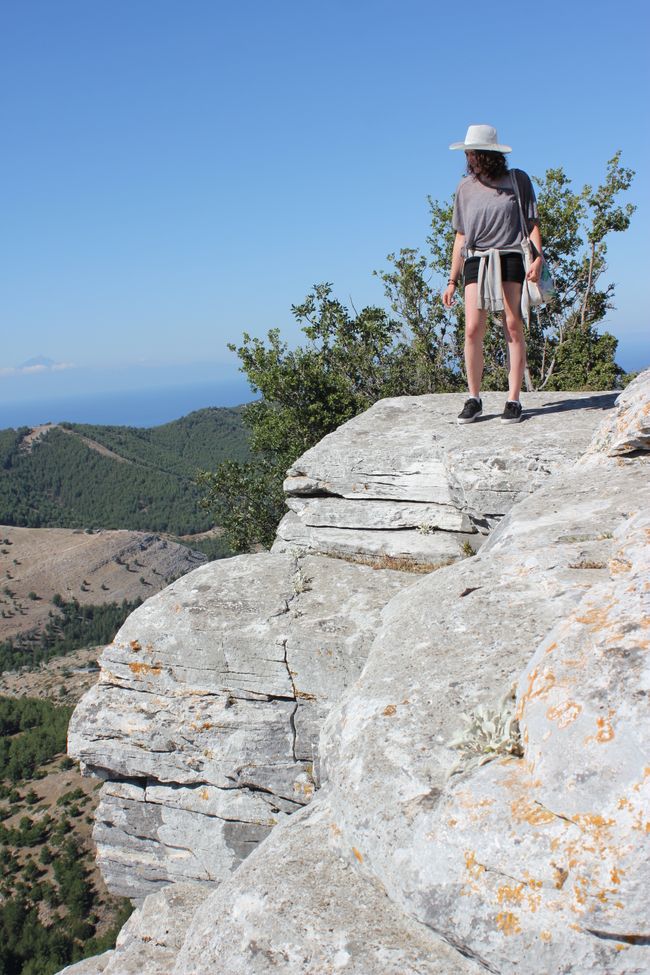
[(511, 412), (472, 409)]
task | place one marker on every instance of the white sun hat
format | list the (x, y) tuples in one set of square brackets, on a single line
[(481, 137)]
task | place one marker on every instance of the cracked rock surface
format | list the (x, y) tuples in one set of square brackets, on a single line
[(295, 907), (205, 718)]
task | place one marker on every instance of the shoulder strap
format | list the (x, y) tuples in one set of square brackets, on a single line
[(515, 184)]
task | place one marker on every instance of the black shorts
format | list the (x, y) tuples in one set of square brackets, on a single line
[(512, 268)]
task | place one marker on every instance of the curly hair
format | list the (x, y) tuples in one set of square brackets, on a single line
[(490, 164)]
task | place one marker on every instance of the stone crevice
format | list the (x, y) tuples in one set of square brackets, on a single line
[(641, 940)]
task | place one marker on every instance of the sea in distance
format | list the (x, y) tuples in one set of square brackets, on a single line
[(136, 397), (134, 408)]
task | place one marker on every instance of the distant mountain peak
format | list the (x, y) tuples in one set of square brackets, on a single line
[(38, 360)]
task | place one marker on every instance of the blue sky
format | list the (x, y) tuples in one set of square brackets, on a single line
[(175, 173)]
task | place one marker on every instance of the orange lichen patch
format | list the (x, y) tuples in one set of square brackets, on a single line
[(452, 822), (580, 890), (597, 617), (539, 684), (605, 731), (615, 876), (619, 947), (135, 646), (593, 821), (406, 701), (204, 794), (531, 813), (510, 895), (565, 713), (357, 854), (201, 727), (551, 647), (532, 882), (616, 566), (389, 710), (304, 788), (508, 923), (545, 936), (473, 867), (145, 669)]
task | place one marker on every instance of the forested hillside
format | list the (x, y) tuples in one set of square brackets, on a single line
[(77, 475), (54, 907)]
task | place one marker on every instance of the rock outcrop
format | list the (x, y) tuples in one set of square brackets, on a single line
[(206, 715), (520, 848), (400, 481)]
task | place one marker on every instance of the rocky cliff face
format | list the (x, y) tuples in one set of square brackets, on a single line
[(205, 718), (327, 697)]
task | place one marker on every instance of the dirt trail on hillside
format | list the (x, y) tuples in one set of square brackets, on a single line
[(28, 441)]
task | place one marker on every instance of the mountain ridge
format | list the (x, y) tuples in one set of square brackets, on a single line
[(70, 475)]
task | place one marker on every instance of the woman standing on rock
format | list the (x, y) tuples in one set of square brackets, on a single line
[(487, 252)]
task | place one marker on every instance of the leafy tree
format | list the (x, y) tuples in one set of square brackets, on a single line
[(570, 354), (351, 360), (348, 362)]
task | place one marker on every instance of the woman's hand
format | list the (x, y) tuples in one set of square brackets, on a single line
[(535, 270), (448, 295)]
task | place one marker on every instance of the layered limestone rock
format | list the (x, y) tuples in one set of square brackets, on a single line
[(628, 429), (205, 718), (402, 481), (536, 861)]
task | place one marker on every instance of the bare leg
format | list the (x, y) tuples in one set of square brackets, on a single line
[(475, 322), (514, 331)]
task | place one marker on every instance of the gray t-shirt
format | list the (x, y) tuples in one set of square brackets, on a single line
[(488, 216)]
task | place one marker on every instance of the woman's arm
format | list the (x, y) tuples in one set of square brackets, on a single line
[(536, 267), (456, 270)]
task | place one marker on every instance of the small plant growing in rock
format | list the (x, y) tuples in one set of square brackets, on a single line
[(467, 549), (426, 528), (300, 582), (489, 733)]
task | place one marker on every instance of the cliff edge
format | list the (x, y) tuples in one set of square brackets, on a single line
[(341, 765)]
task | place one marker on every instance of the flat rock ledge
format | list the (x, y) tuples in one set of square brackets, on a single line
[(404, 482)]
